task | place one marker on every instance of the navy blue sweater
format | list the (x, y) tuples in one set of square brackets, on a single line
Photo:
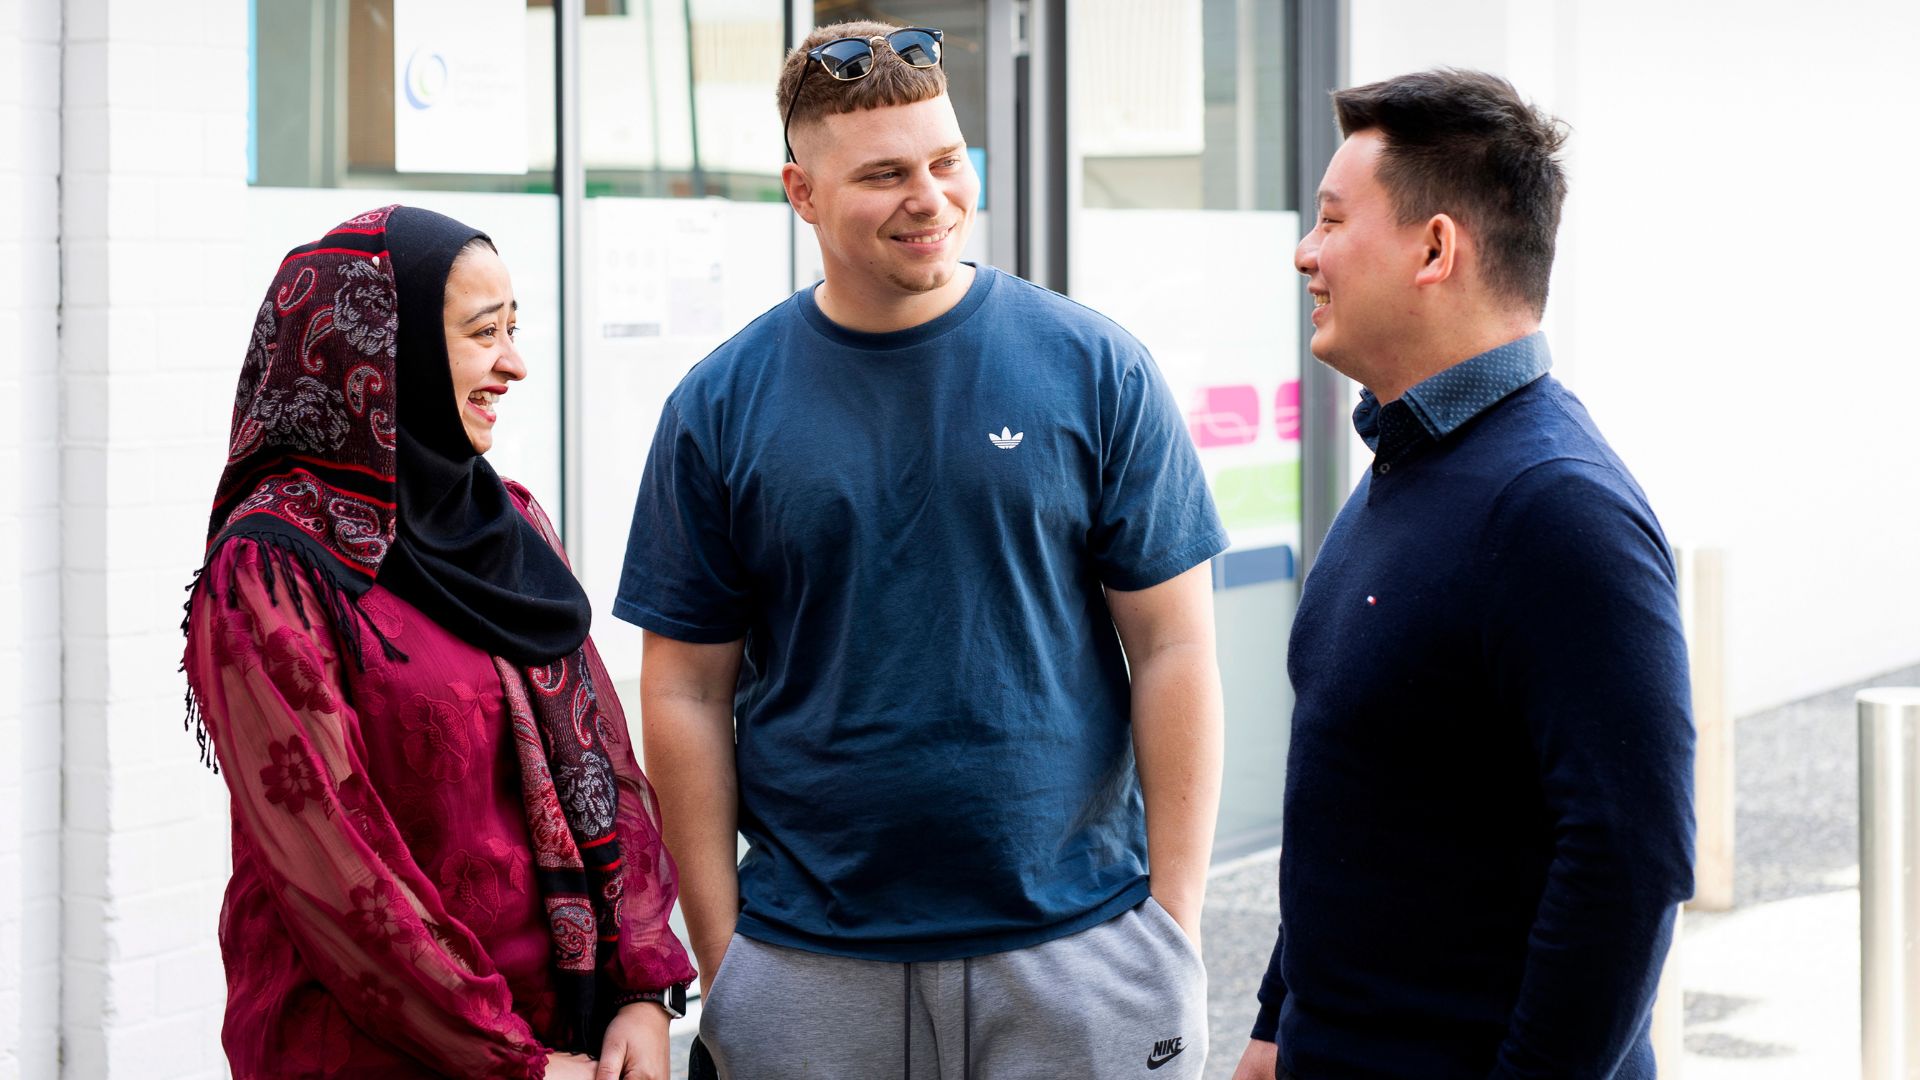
[(1488, 817)]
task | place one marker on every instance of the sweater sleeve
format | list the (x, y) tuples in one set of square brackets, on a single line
[(1273, 992), (266, 674), (1585, 644)]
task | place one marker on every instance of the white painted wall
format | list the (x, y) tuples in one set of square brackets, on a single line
[(29, 540), (155, 301), (1732, 286)]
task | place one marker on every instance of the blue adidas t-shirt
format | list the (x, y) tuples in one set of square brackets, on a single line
[(911, 531)]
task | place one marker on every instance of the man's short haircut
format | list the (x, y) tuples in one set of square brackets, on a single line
[(891, 82), (1464, 143)]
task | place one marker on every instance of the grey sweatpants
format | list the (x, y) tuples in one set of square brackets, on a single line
[(1127, 998)]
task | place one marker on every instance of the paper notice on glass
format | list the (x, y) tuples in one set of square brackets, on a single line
[(629, 290), (696, 270), (460, 86), (659, 267)]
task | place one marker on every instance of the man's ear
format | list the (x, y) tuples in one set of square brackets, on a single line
[(799, 188), (1442, 238)]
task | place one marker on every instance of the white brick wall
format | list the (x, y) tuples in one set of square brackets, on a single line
[(154, 311), (123, 311), (29, 539)]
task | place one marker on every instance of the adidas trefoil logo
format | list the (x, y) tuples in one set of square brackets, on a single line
[(1007, 439)]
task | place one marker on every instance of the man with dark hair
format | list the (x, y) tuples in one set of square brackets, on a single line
[(921, 557), (1488, 816)]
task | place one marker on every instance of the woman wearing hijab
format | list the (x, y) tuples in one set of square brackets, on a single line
[(445, 858)]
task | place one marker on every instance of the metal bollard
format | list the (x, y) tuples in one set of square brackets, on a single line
[(1889, 883)]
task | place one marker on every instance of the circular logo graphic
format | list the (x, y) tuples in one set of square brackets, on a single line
[(426, 78)]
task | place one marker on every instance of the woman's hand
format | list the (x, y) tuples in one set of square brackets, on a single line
[(636, 1046), (569, 1067)]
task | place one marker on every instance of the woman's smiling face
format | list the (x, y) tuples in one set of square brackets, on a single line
[(481, 316)]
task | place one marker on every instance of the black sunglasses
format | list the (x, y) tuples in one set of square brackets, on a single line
[(851, 58)]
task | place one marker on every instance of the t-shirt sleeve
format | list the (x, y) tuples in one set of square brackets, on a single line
[(1155, 517), (682, 577)]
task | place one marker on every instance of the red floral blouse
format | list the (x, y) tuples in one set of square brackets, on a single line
[(383, 919)]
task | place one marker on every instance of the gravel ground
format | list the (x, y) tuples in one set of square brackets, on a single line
[(1797, 795)]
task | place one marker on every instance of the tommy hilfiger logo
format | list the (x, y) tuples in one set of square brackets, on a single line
[(1164, 1051), (1007, 439)]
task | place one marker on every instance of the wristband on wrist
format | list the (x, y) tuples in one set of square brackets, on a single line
[(671, 998)]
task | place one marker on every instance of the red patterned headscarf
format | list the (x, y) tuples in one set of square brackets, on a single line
[(348, 456), (311, 464), (315, 475)]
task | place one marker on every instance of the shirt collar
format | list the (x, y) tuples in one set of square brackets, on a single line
[(1444, 401)]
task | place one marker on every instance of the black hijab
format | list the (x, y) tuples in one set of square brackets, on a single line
[(462, 553)]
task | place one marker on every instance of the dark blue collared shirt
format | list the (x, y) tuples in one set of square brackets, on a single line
[(1436, 406)]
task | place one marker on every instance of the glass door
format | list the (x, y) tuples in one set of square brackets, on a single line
[(1181, 226), (684, 240)]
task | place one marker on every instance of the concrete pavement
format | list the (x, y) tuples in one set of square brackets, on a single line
[(1773, 986)]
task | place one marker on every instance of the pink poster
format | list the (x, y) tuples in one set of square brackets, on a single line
[(1286, 411), (1224, 416)]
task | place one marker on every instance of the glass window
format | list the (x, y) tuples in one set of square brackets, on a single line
[(468, 106), (677, 98), (447, 104), (1183, 106)]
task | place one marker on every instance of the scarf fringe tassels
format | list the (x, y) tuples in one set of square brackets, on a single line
[(282, 563)]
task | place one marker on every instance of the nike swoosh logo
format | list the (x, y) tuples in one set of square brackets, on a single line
[(1155, 1062)]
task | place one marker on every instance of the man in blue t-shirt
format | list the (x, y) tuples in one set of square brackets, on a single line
[(1487, 817), (920, 554)]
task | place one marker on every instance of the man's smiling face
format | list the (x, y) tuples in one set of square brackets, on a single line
[(1360, 264), (893, 195)]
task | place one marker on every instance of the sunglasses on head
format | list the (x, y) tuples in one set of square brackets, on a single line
[(849, 58)]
